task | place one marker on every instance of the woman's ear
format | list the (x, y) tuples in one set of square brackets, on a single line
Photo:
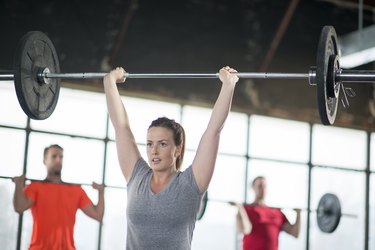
[(177, 153)]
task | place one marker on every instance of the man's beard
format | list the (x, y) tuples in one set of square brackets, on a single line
[(55, 172)]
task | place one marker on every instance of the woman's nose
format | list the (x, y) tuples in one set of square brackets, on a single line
[(154, 150)]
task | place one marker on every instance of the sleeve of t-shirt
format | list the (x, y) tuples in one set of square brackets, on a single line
[(190, 179), (140, 168), (84, 200), (31, 191)]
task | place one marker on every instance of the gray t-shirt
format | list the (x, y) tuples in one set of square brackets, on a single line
[(163, 220)]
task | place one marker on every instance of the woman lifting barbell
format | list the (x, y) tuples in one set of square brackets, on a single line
[(162, 201)]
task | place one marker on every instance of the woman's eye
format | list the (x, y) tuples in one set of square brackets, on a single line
[(148, 145)]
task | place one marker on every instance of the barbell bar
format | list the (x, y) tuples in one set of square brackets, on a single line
[(232, 203), (58, 183), (342, 76), (328, 212), (92, 75), (37, 75)]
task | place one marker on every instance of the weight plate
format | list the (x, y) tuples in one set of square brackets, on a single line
[(328, 213), (34, 53), (327, 47)]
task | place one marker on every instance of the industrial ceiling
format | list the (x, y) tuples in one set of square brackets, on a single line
[(146, 36)]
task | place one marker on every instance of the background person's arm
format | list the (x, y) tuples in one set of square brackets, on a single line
[(243, 222), (293, 229), (20, 201), (96, 211)]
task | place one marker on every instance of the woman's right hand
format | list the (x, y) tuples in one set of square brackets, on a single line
[(116, 75), (226, 76)]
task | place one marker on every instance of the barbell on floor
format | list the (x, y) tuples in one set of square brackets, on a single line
[(328, 212), (37, 76)]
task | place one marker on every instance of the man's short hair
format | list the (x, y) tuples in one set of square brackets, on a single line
[(257, 178), (49, 147)]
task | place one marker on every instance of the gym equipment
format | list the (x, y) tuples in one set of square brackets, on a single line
[(328, 212), (37, 76)]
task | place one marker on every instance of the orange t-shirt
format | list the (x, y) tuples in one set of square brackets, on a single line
[(54, 210)]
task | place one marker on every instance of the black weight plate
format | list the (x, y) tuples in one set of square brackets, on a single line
[(327, 46), (328, 213), (203, 206), (35, 52)]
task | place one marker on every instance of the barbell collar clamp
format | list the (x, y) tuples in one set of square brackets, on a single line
[(312, 75)]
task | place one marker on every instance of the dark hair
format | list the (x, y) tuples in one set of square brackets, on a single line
[(257, 178), (49, 147), (178, 135)]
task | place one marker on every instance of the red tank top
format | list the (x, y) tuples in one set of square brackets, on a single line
[(266, 226)]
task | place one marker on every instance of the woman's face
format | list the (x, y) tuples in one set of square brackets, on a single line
[(161, 149)]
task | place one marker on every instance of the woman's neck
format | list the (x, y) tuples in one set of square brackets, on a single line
[(160, 180), (162, 177)]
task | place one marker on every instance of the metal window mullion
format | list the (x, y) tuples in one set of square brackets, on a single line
[(367, 192), (24, 170), (310, 166), (106, 140)]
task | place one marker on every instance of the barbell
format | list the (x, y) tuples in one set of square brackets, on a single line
[(328, 212), (37, 75), (63, 182)]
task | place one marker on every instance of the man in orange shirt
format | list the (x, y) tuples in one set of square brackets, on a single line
[(54, 204)]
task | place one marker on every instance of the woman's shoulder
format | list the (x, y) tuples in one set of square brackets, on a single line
[(141, 168)]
